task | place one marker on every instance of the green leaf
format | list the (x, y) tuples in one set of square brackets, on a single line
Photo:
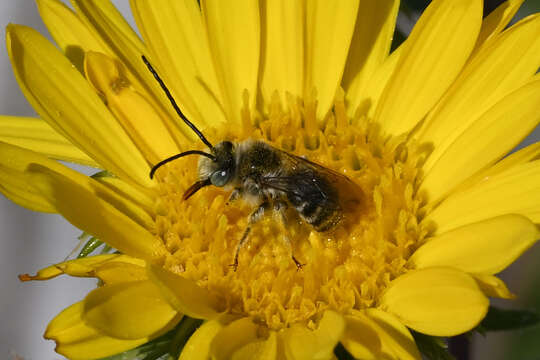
[(89, 247), (505, 319), (434, 348), (102, 174), (165, 347), (153, 350)]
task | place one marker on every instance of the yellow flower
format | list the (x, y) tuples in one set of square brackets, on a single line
[(422, 131)]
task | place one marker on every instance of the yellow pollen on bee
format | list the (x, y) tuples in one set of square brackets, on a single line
[(345, 269)]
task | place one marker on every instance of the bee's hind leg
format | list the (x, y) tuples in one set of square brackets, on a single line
[(254, 217), (280, 207)]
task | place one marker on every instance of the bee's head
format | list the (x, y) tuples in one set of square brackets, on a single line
[(215, 169), (220, 170)]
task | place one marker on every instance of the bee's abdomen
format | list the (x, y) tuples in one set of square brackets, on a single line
[(316, 201), (323, 216)]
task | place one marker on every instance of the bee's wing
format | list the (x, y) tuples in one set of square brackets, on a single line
[(301, 174)]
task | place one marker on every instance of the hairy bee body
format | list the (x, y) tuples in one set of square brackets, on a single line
[(270, 178), (275, 179)]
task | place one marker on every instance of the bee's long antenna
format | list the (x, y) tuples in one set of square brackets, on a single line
[(174, 157), (175, 105)]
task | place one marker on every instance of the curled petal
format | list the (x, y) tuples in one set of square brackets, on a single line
[(492, 286), (129, 310), (198, 345), (111, 266), (374, 334), (63, 98), (78, 341), (183, 294), (303, 343), (239, 341)]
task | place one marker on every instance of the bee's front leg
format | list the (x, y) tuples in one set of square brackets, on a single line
[(235, 195), (254, 217)]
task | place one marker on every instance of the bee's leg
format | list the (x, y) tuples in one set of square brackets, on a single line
[(235, 194), (255, 216), (281, 207), (298, 264)]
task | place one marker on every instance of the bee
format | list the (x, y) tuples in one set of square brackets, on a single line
[(271, 179)]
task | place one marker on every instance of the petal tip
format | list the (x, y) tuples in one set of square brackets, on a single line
[(26, 277)]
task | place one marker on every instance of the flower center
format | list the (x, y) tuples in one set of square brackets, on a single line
[(345, 269)]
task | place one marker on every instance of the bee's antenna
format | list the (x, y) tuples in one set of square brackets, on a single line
[(175, 105), (174, 157)]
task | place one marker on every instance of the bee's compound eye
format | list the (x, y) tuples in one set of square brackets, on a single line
[(219, 178)]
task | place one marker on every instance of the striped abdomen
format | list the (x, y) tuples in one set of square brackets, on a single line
[(316, 201)]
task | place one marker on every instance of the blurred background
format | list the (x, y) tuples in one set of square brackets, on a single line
[(29, 240)]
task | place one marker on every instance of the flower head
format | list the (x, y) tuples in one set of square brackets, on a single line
[(421, 132)]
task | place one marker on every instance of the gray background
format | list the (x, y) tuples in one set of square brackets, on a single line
[(30, 240)]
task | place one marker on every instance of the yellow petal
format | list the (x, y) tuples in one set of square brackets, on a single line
[(198, 345), (436, 301), (183, 294), (492, 286), (68, 31), (516, 190), (371, 41), (239, 340), (143, 197), (18, 166), (395, 340), (495, 71), (84, 267), (496, 21), (124, 205), (106, 22), (529, 153), (303, 343), (175, 35), (136, 114), (75, 340), (435, 52), (98, 213), (283, 33), (257, 350), (36, 135), (129, 310), (17, 184), (488, 139), (360, 338), (371, 93), (234, 38), (395, 337), (485, 247), (329, 30), (103, 17), (118, 271), (63, 98), (19, 188)]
